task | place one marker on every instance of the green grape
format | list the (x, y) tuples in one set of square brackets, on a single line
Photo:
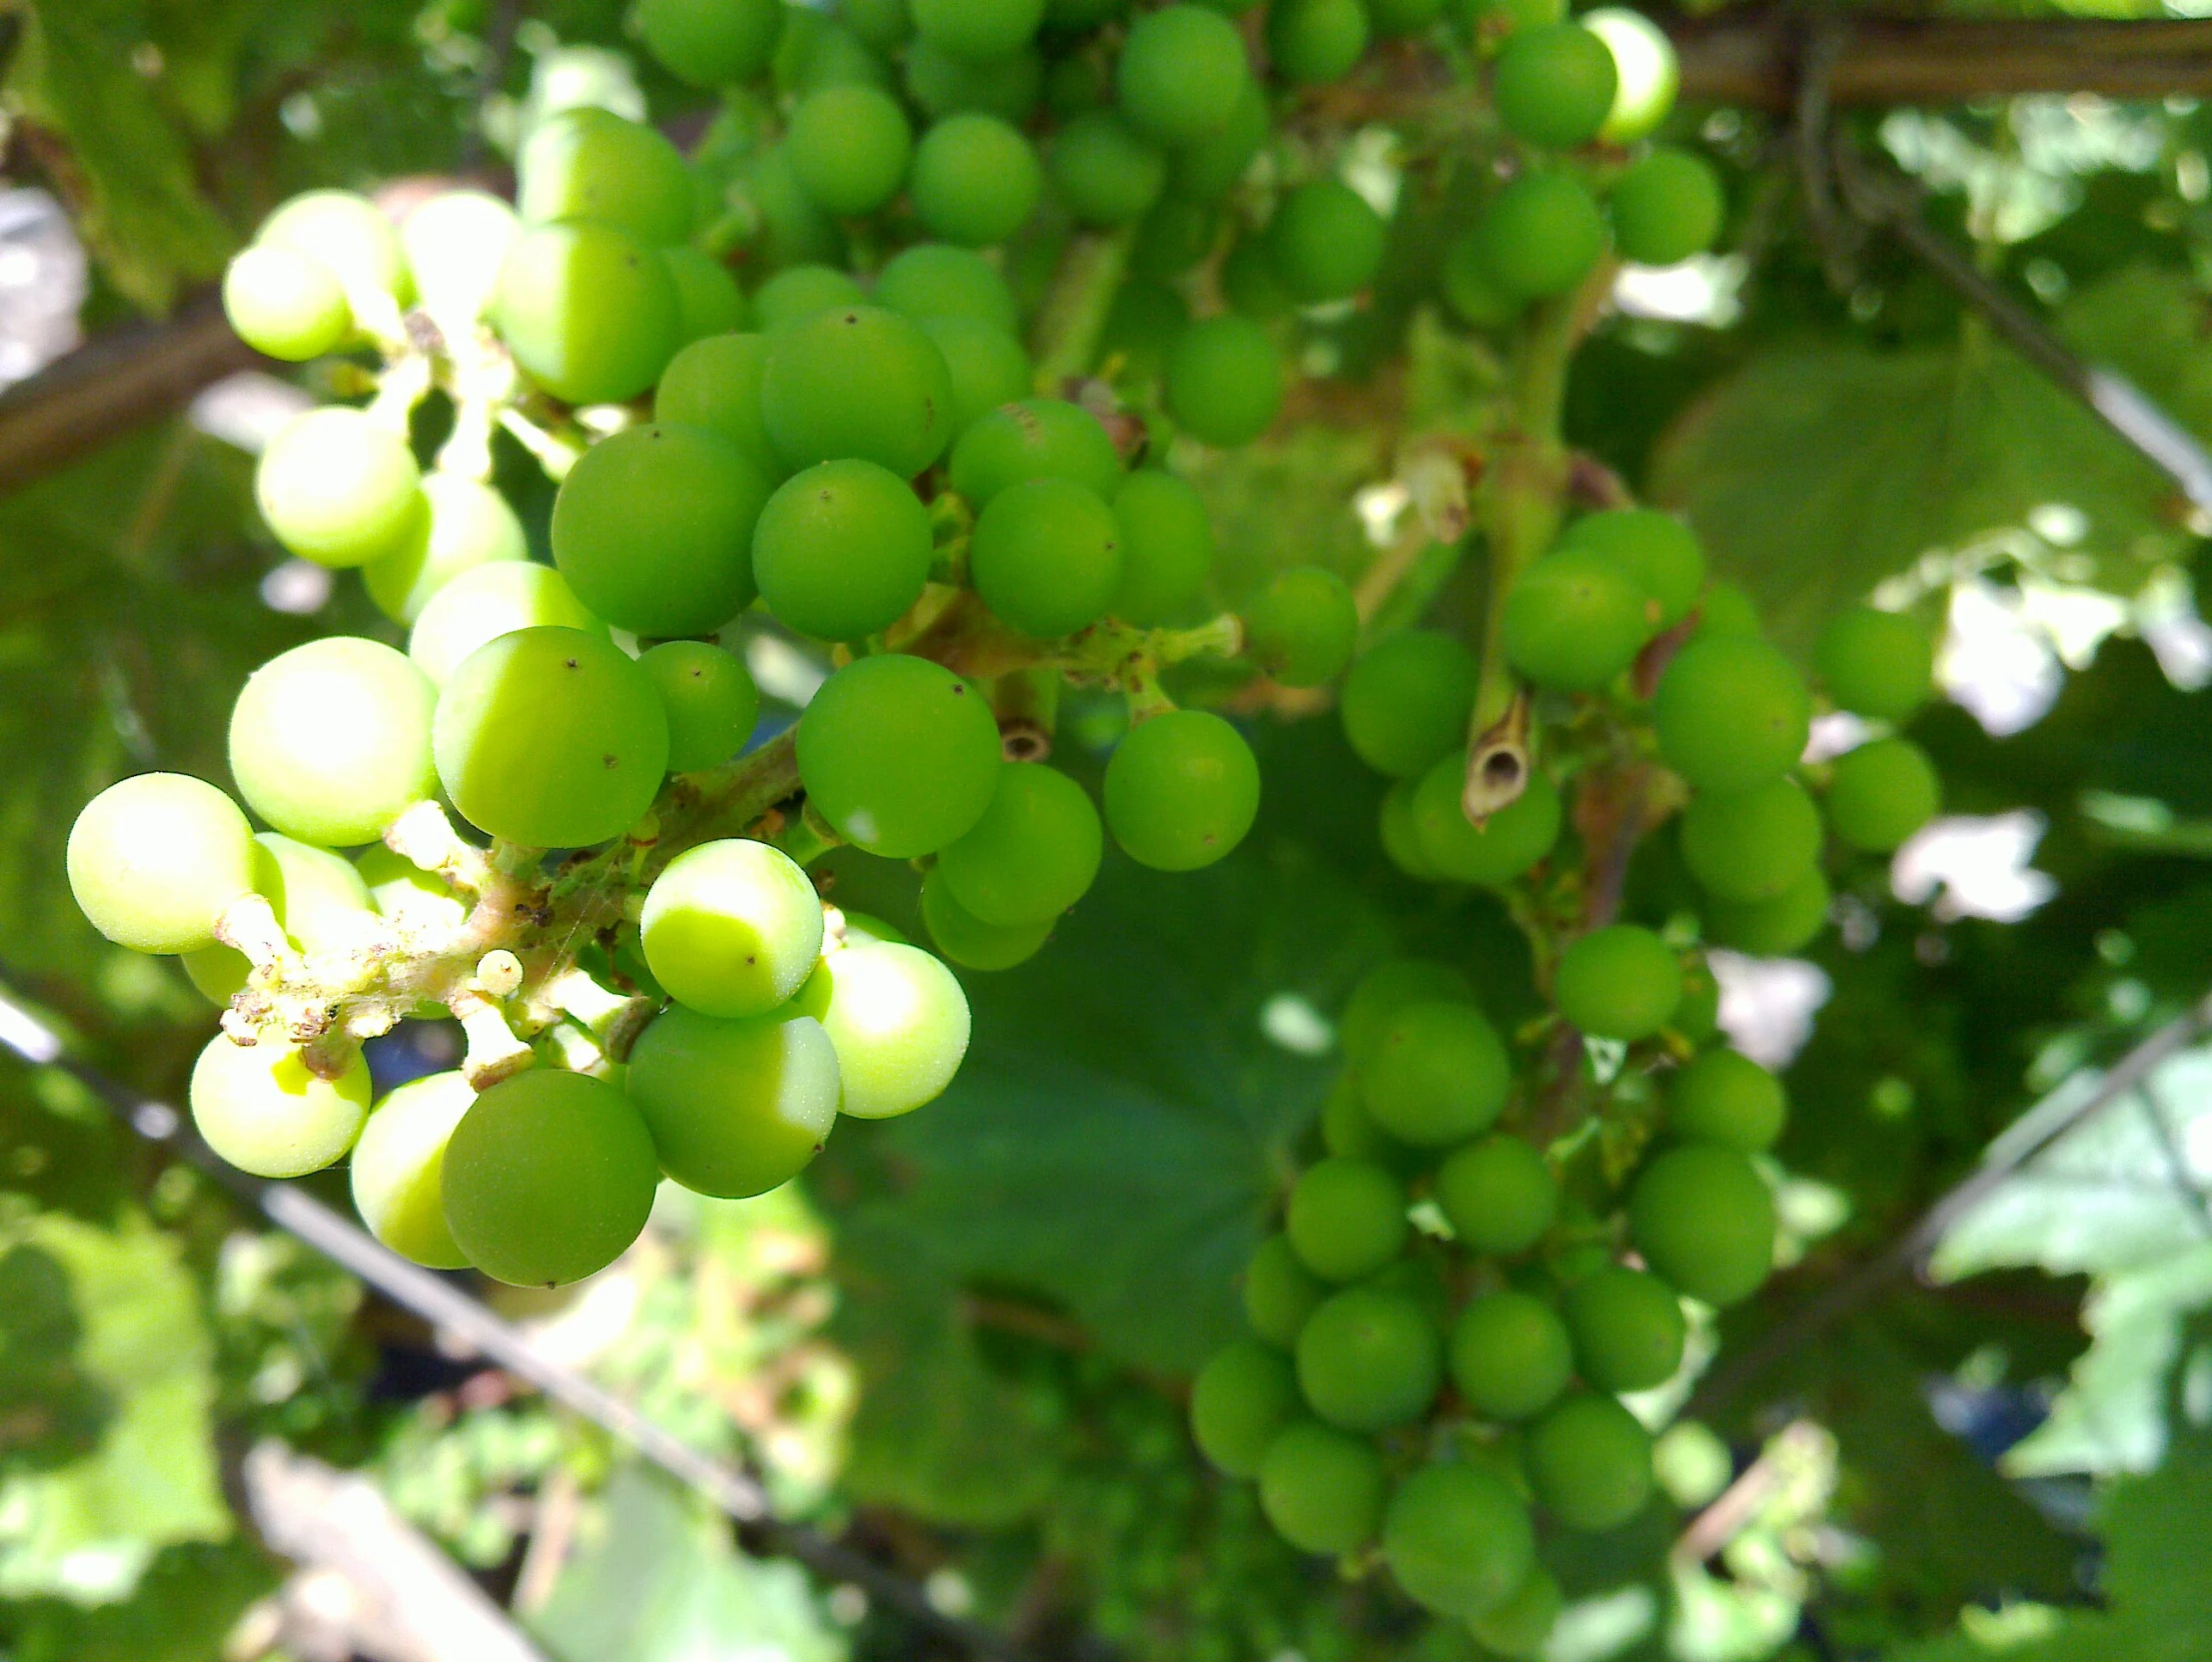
[(398, 1166), (550, 738), (1725, 609), (1470, 289), (815, 51), (1590, 1463), (1724, 1097), (968, 941), (284, 304), (1403, 16), (1751, 845), (1540, 234), (1704, 1217), (1210, 168), (1075, 82), (1326, 242), (1104, 172), (849, 145), (265, 1112), (349, 235), (1645, 71), (1627, 1329), (793, 229), (1619, 982), (339, 488), (1554, 85), (1657, 549), (1251, 281), (481, 606), (1387, 990), (1303, 627), (1732, 713), (320, 900), (715, 382), (976, 180), (548, 1178), (1697, 1019), (884, 25), (467, 524), (735, 1108), (1046, 557), (1881, 793), (709, 698), (1279, 1293), (1667, 208), (1574, 622), (154, 859), (654, 529), (1520, 1625), (1347, 1218), (988, 366), (1321, 1489), (1369, 1360), (978, 30), (1877, 664), (1167, 548), (1458, 1539), (708, 301), (1405, 701), (1499, 1195), (731, 928), (1311, 41), (1173, 238), (1399, 836), (842, 549), (1033, 854), (856, 382), (801, 291), (1510, 1354), (1181, 71), (1240, 1399), (416, 899), (1181, 791), (710, 43), (1504, 846), (944, 85), (1440, 1075), (331, 741), (588, 164), (1772, 928), (1224, 381), (588, 312), (900, 1023), (1034, 438), (899, 754), (454, 244)]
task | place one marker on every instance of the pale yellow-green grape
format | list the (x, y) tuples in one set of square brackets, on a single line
[(735, 1108), (347, 233), (321, 900), (338, 489), (396, 1167), (405, 893), (330, 742), (732, 928), (898, 1020), (488, 602), (154, 859), (1646, 74), (469, 525), (261, 1109), (454, 244), (286, 304)]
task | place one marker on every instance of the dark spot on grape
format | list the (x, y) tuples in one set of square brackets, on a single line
[(750, 959), (572, 663), (612, 760), (959, 689)]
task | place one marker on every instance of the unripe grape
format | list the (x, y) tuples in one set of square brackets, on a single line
[(265, 1112), (1303, 627), (1167, 548), (715, 382), (1279, 1292), (1405, 701), (398, 1167), (1141, 326), (1724, 1097), (411, 896), (988, 366), (1468, 288), (1034, 438), (1540, 234), (1173, 238), (1438, 1076), (1326, 242), (550, 738), (1704, 1217), (1554, 85), (467, 524), (1726, 609), (1574, 622), (793, 229), (711, 43), (1619, 982), (1753, 843), (1878, 665), (882, 24), (1510, 1354), (1311, 41), (1046, 557), (1646, 70), (1657, 549), (588, 164), (735, 1108), (1697, 1019), (1399, 836), (1369, 1360), (849, 145), (1209, 169), (331, 741), (1667, 208), (944, 85), (1772, 928), (1181, 71), (548, 1178), (284, 304), (454, 244), (1731, 713), (966, 940), (1240, 1399), (708, 697), (154, 859), (1387, 990), (1403, 16), (1458, 1539), (481, 606), (979, 30), (1497, 1193), (348, 234), (320, 900), (731, 928), (1627, 1329), (899, 754), (1881, 793), (587, 311), (898, 1021), (1522, 1626), (1103, 171), (1033, 854), (1321, 1489), (1181, 791), (708, 301), (338, 489), (1590, 1463), (816, 50), (842, 549), (1224, 381), (976, 180), (1347, 1218), (1502, 847), (799, 292), (858, 382)]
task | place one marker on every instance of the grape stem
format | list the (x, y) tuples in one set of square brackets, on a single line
[(1074, 312)]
